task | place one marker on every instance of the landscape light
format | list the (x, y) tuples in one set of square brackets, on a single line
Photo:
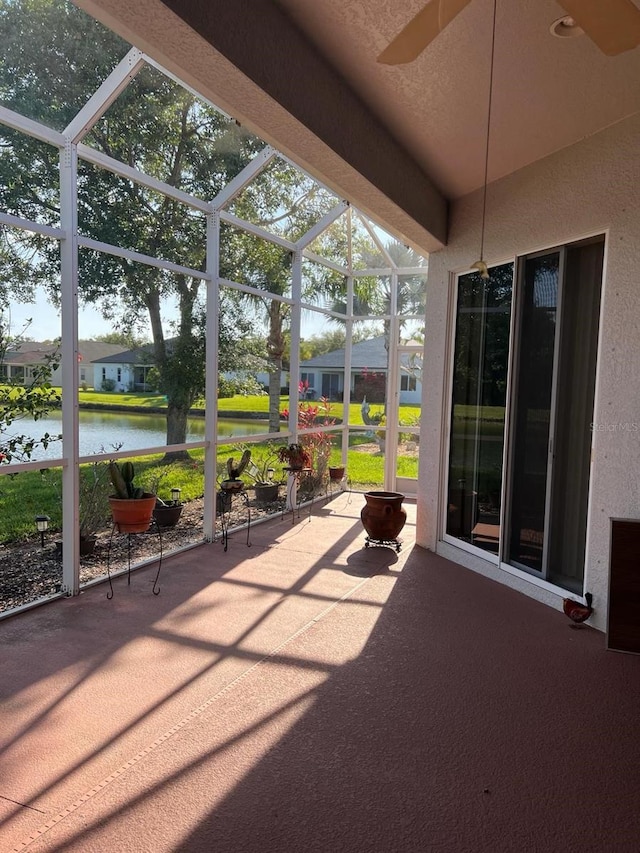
[(42, 523)]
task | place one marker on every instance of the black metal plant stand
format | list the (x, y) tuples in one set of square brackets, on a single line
[(115, 529), (225, 514)]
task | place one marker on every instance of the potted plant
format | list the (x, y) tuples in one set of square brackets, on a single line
[(131, 507), (336, 472), (93, 490), (262, 474), (94, 507), (295, 456), (233, 483), (167, 513)]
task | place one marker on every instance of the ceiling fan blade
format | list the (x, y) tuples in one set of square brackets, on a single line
[(613, 25), (421, 31)]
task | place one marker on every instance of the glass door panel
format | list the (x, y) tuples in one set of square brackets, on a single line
[(478, 408), (534, 383)]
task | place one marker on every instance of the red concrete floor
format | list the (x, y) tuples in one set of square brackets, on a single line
[(306, 694)]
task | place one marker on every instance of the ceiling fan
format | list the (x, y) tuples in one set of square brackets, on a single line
[(613, 25)]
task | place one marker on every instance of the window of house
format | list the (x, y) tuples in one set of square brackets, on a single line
[(407, 382)]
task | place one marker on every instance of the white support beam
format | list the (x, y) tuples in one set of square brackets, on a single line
[(322, 225), (325, 312), (90, 155), (254, 291), (376, 239), (105, 95), (318, 259), (257, 230), (211, 374), (392, 395), (183, 85), (237, 184), (372, 271), (31, 128), (348, 342), (294, 367), (130, 255), (69, 364), (29, 225)]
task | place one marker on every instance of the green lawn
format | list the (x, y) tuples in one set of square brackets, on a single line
[(31, 493), (25, 495), (409, 415)]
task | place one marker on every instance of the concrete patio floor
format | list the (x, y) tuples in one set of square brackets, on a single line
[(307, 694)]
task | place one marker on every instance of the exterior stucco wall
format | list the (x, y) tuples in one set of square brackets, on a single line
[(592, 187)]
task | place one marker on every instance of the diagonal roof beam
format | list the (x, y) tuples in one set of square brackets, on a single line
[(251, 59), (105, 95)]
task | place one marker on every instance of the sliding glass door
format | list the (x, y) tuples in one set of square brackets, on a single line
[(539, 461)]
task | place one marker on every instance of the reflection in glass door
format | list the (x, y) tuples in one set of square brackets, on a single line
[(478, 408), (538, 314)]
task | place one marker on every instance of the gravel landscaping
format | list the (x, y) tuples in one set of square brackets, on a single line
[(29, 572)]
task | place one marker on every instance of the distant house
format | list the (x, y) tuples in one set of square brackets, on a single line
[(324, 375), (21, 362), (128, 370)]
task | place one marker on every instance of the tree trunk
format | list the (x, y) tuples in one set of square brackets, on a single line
[(275, 348), (176, 432), (274, 398)]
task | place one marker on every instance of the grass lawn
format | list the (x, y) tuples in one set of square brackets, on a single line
[(31, 493), (25, 495), (409, 415)]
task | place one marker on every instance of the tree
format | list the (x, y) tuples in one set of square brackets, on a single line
[(125, 339), (155, 126), (32, 399), (283, 200)]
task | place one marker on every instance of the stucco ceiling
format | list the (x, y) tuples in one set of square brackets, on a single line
[(399, 142), (548, 92)]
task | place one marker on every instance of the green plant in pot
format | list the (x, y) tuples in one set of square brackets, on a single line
[(295, 456), (167, 511), (131, 507), (94, 506), (263, 473), (233, 483)]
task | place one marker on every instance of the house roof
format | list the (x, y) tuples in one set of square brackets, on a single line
[(140, 355), (32, 352), (370, 354), (410, 137)]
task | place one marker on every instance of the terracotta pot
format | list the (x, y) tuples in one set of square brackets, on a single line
[(336, 472), (383, 516), (132, 515)]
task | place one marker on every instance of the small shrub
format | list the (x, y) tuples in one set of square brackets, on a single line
[(108, 384)]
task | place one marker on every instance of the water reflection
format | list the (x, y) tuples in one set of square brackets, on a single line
[(132, 431)]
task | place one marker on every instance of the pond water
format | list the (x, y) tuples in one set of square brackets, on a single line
[(133, 431)]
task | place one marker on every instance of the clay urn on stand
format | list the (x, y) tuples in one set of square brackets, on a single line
[(383, 517)]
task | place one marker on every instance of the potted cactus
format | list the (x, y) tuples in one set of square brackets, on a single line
[(234, 469), (131, 507)]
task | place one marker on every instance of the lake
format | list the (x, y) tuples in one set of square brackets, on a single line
[(133, 431)]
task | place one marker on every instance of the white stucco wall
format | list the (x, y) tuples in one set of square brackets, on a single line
[(592, 187), (111, 372)]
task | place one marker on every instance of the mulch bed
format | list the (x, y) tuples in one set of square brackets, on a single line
[(29, 572)]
